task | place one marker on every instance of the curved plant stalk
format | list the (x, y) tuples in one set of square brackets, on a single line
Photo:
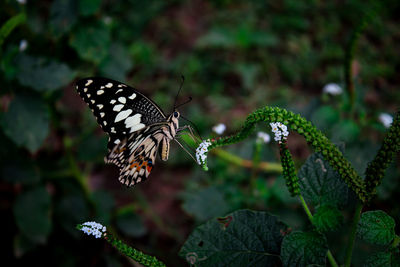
[(313, 136), (390, 146), (136, 255), (10, 25)]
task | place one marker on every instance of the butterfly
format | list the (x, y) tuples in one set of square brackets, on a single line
[(138, 129)]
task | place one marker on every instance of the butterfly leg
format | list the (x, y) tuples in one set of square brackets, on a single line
[(191, 132)]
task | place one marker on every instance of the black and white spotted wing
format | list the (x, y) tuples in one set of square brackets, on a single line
[(137, 127), (119, 109)]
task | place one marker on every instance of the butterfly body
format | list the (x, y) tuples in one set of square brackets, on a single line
[(137, 127)]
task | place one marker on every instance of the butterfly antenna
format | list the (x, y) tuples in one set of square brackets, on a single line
[(181, 104), (180, 88)]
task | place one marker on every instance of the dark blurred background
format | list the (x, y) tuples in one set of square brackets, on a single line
[(236, 56)]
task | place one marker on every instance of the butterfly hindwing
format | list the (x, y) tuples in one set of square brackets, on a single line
[(135, 157), (119, 109)]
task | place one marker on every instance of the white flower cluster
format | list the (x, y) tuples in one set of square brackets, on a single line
[(280, 131), (263, 137), (201, 151), (93, 228), (219, 128)]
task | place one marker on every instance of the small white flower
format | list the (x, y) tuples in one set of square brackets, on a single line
[(22, 2), (263, 137), (23, 44), (332, 88), (386, 119), (283, 127), (219, 128), (93, 228), (279, 129)]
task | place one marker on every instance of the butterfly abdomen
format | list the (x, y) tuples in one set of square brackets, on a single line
[(164, 149)]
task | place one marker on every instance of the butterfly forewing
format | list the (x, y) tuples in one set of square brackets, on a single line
[(119, 109)]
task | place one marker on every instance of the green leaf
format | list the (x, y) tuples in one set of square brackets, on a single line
[(63, 16), (327, 218), (320, 183), (42, 74), (129, 223), (376, 227), (205, 203), (10, 25), (303, 249), (242, 238), (89, 7), (92, 42), (117, 64), (389, 259), (32, 214), (27, 121)]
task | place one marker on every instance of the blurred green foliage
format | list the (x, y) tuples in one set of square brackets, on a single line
[(236, 56)]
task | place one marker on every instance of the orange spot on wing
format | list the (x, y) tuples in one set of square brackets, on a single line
[(149, 168), (135, 164), (139, 167)]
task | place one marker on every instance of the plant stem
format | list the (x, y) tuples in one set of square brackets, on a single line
[(308, 212), (351, 50), (264, 166), (396, 241), (356, 218), (306, 209), (76, 173)]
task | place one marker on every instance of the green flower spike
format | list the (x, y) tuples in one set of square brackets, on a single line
[(289, 172), (390, 146), (99, 231), (313, 136)]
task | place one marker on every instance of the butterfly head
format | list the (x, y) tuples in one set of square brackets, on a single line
[(174, 117), (176, 114)]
